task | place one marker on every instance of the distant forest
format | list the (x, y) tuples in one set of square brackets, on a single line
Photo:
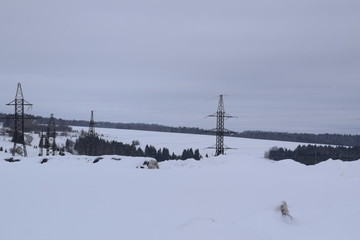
[(312, 154), (63, 125), (34, 123), (331, 139)]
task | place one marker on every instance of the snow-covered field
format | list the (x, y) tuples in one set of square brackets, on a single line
[(227, 197)]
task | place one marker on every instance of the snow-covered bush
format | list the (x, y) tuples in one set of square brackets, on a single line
[(28, 139), (151, 164), (18, 151)]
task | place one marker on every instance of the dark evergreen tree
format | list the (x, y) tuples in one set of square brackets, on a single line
[(150, 151), (41, 142), (173, 156), (165, 154), (197, 155), (69, 146), (184, 155)]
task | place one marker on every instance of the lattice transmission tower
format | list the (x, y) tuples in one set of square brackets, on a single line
[(220, 130), (50, 137), (42, 143), (19, 122), (91, 137), (91, 131)]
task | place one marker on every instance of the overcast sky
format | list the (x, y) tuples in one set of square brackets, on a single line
[(282, 65)]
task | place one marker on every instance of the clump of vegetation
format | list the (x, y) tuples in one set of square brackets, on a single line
[(312, 154), (152, 164), (69, 146)]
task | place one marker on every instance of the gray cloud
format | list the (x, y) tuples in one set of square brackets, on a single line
[(284, 65)]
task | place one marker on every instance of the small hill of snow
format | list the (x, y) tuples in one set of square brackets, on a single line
[(236, 196)]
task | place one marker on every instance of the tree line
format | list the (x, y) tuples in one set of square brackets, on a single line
[(313, 154), (330, 139), (8, 122), (95, 146), (34, 123)]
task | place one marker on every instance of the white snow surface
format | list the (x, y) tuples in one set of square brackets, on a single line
[(235, 196)]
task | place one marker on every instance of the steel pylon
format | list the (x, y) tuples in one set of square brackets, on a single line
[(91, 131), (51, 136), (19, 119), (220, 130)]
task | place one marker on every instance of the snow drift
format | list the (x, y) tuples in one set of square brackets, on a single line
[(236, 196)]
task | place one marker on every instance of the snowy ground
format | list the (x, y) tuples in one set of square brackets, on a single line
[(224, 198)]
